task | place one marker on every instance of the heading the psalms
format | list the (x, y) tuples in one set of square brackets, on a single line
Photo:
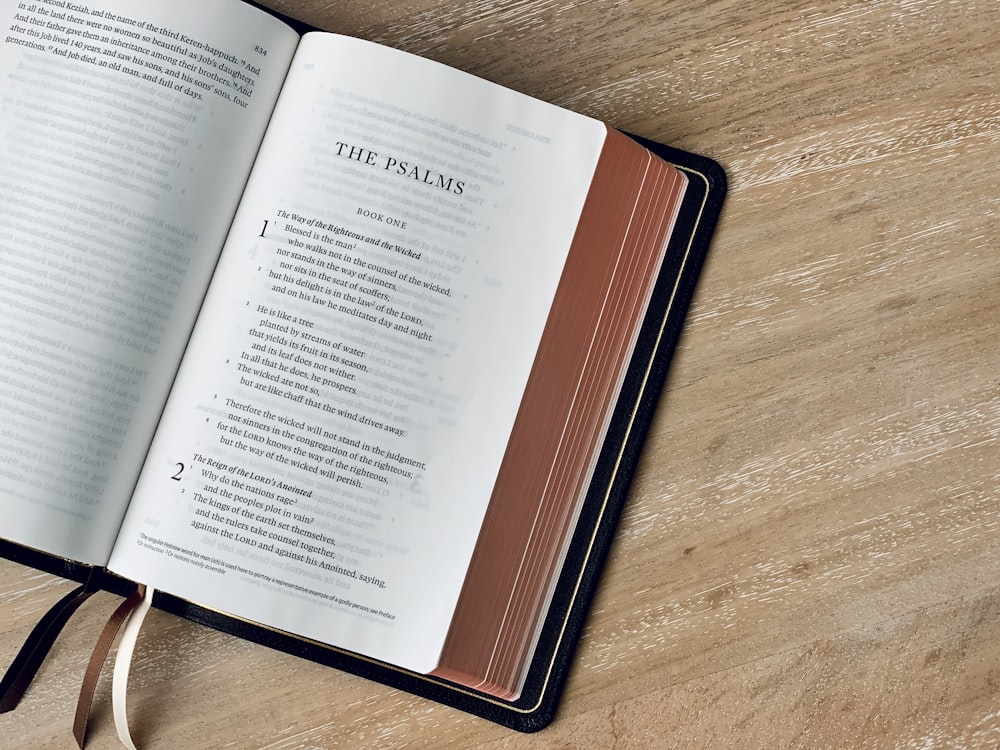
[(405, 168)]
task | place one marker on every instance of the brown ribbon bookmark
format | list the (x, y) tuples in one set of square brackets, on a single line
[(22, 670), (97, 659)]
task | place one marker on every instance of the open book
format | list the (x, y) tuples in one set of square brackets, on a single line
[(339, 349)]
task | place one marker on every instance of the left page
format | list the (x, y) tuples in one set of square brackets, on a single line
[(127, 131)]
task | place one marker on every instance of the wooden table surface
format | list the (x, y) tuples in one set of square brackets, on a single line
[(810, 557)]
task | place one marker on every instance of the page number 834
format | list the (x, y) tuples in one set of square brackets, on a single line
[(259, 50)]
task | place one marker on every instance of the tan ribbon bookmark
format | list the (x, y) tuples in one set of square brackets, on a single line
[(131, 611)]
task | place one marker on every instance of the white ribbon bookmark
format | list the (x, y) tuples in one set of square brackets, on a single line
[(123, 661)]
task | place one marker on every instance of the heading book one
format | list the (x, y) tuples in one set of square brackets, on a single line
[(338, 349)]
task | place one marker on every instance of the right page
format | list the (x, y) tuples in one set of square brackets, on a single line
[(333, 439)]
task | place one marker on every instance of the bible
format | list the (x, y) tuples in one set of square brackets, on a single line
[(338, 349)]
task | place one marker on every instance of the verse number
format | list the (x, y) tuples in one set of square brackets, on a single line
[(260, 50), (177, 474)]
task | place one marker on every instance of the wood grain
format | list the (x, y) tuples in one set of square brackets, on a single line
[(810, 557)]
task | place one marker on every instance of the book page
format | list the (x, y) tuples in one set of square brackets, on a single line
[(556, 443), (349, 391), (126, 132)]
